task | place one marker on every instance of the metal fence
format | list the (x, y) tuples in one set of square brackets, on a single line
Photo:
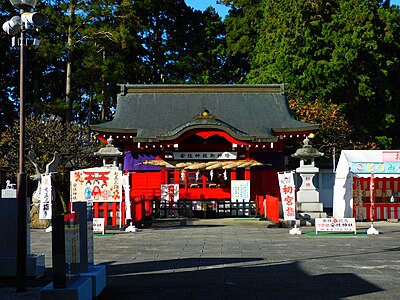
[(204, 209)]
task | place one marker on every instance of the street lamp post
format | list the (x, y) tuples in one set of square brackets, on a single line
[(12, 27), (21, 182)]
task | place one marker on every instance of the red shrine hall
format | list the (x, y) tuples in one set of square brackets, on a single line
[(202, 150)]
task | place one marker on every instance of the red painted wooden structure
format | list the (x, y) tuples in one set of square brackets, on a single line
[(384, 188), (153, 124)]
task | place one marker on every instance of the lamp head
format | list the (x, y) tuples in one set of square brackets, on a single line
[(12, 26), (24, 4), (34, 18)]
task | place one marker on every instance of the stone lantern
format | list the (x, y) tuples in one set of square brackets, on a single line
[(109, 153), (309, 206)]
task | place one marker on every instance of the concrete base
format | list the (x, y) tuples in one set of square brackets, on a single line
[(295, 231), (98, 277), (310, 196), (81, 289), (131, 228), (35, 266), (311, 214), (393, 220), (372, 230), (307, 206), (305, 223)]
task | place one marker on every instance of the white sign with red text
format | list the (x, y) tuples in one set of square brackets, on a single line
[(335, 224), (96, 185), (287, 188)]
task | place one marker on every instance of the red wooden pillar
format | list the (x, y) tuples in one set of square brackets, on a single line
[(114, 214), (233, 174), (105, 211), (247, 152), (247, 174), (133, 209), (260, 204), (176, 176), (186, 182), (163, 176), (123, 213), (280, 144), (96, 209)]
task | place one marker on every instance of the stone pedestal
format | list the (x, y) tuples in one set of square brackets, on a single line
[(98, 278), (35, 264), (81, 289), (308, 203)]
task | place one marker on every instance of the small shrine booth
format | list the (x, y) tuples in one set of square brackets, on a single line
[(352, 184), (202, 150)]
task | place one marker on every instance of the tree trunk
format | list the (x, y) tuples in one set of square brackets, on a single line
[(68, 96)]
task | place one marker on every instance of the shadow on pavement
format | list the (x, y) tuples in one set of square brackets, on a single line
[(219, 278)]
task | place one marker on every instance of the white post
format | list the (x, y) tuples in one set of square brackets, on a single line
[(265, 208), (128, 216)]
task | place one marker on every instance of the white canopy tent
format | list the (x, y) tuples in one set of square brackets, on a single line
[(343, 188)]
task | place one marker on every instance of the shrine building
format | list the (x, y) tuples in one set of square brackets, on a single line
[(202, 150)]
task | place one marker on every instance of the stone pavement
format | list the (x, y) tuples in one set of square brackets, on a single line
[(233, 259)]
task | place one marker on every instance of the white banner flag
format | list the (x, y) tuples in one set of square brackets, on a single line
[(45, 197), (126, 186), (287, 188)]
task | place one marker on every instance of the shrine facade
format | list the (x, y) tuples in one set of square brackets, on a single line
[(197, 149)]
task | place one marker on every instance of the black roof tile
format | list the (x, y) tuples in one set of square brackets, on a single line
[(164, 112)]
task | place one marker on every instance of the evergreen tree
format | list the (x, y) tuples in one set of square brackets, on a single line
[(9, 73), (344, 51)]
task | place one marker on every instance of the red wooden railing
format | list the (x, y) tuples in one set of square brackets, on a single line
[(382, 211)]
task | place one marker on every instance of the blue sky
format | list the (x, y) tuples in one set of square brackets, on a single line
[(203, 4), (223, 10)]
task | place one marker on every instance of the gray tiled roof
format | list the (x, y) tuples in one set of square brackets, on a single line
[(164, 112)]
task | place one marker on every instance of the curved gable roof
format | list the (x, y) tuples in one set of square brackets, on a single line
[(162, 112)]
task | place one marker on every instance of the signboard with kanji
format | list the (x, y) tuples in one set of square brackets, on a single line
[(96, 185), (98, 225), (287, 188), (45, 211), (240, 190), (335, 224), (204, 155)]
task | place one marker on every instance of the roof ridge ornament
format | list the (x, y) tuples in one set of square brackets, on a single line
[(205, 115)]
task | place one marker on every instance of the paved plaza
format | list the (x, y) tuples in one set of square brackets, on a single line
[(236, 259)]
